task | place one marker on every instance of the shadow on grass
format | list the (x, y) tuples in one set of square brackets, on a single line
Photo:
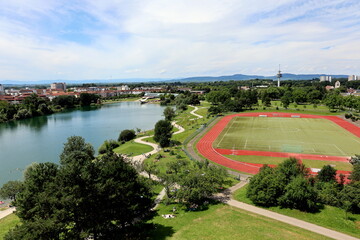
[(160, 232)]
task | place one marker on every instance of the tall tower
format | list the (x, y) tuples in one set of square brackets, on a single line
[(279, 75)]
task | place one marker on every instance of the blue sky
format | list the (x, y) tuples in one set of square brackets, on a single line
[(118, 39)]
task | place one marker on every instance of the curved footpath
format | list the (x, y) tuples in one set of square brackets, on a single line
[(156, 147), (226, 197), (195, 114)]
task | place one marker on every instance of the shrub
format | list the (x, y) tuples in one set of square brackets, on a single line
[(126, 135)]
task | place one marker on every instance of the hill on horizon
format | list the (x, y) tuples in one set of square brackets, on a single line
[(235, 77)]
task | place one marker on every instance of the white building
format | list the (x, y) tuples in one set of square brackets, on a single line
[(325, 78), (337, 84), (123, 88), (55, 86), (353, 78)]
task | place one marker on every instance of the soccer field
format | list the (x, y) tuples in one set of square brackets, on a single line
[(294, 135)]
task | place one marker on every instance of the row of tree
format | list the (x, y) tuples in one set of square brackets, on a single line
[(34, 105), (290, 185)]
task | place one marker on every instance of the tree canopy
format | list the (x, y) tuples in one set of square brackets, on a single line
[(101, 197)]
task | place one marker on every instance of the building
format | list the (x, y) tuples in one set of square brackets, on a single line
[(2, 90), (55, 86), (353, 78), (337, 84), (325, 78)]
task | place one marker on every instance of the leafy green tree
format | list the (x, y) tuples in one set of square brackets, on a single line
[(169, 113), (328, 193), (291, 168), (11, 189), (149, 168), (350, 197), (100, 197), (87, 98), (126, 135), (199, 184), (327, 174), (299, 194), (163, 133), (263, 188), (355, 174)]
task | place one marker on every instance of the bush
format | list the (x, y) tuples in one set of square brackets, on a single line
[(108, 145), (126, 135), (348, 115)]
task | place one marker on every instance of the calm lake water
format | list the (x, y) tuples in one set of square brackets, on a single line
[(41, 139)]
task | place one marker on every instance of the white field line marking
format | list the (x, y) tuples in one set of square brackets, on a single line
[(245, 143), (342, 152), (225, 134)]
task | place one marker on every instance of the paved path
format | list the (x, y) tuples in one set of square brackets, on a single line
[(6, 212), (156, 147), (226, 197), (195, 114)]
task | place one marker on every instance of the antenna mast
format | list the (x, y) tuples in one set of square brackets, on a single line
[(279, 75)]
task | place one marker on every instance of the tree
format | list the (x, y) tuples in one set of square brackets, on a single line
[(163, 133), (169, 113), (11, 189), (350, 197), (327, 174), (299, 194), (355, 174), (100, 197), (263, 188), (87, 98), (126, 135)]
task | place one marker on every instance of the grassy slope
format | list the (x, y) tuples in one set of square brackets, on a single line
[(132, 148), (329, 217), (309, 136), (275, 161), (224, 222), (8, 223)]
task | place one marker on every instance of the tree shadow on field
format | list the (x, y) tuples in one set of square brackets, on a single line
[(159, 232)]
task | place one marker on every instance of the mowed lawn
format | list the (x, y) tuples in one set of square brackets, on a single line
[(132, 148), (224, 222), (345, 166), (296, 135)]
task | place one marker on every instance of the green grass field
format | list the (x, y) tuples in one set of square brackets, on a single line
[(297, 135), (329, 217), (132, 148), (276, 160), (223, 222), (8, 223)]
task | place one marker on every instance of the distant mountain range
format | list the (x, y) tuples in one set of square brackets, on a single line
[(236, 77)]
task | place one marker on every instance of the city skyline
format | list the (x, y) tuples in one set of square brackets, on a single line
[(50, 40)]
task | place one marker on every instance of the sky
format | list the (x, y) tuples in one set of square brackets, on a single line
[(163, 39)]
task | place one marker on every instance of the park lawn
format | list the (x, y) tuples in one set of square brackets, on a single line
[(329, 217), (132, 148), (223, 222), (202, 111), (8, 223), (345, 166), (296, 135), (161, 163)]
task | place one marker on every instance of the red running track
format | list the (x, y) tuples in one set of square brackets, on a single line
[(206, 149)]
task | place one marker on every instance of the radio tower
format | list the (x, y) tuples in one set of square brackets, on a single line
[(279, 75)]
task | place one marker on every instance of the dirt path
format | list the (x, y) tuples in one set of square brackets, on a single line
[(226, 197)]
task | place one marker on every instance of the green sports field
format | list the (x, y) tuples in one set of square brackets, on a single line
[(295, 135)]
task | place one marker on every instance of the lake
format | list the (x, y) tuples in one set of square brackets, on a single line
[(41, 139)]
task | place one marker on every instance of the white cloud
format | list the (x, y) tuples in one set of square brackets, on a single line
[(171, 39)]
